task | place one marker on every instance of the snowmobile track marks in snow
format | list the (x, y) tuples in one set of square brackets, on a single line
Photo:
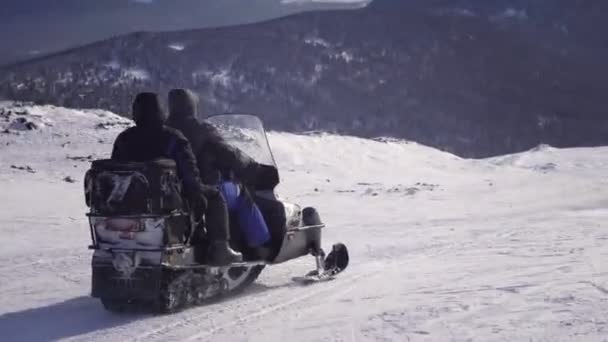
[(188, 320), (340, 287), (196, 322), (39, 260), (268, 310)]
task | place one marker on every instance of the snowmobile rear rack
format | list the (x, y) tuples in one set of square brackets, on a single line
[(297, 229), (164, 249), (138, 216)]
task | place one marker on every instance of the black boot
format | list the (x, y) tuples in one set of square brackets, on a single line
[(263, 253), (220, 254)]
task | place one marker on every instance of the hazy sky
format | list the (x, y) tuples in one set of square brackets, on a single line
[(31, 27)]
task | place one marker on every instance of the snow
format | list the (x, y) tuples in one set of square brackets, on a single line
[(316, 41), (113, 65), (514, 13), (177, 47), (136, 73), (129, 73), (315, 76), (461, 12), (442, 248), (344, 55), (221, 77), (511, 13)]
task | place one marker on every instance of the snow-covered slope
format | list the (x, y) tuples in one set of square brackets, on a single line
[(442, 248)]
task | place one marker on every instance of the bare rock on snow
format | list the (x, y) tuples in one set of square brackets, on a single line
[(5, 113), (370, 192), (111, 124), (368, 184), (374, 189), (544, 168), (23, 124), (81, 158), (345, 191), (69, 179), (23, 168), (411, 191)]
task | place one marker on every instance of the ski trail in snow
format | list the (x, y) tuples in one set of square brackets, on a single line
[(602, 289), (10, 266), (277, 307), (313, 300), (184, 318), (253, 302)]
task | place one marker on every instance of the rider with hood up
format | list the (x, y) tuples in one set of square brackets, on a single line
[(151, 139), (217, 160), (220, 164)]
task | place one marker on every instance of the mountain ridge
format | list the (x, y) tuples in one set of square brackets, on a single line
[(475, 85)]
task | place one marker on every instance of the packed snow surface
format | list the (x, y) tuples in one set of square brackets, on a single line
[(512, 248)]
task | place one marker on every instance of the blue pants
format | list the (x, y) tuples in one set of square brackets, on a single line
[(250, 219)]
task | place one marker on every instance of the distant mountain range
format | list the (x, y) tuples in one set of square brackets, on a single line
[(34, 28), (473, 77)]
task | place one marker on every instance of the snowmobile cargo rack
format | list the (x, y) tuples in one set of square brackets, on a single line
[(164, 249), (138, 216), (298, 229)]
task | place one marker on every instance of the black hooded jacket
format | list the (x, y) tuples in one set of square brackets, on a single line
[(216, 159), (151, 139)]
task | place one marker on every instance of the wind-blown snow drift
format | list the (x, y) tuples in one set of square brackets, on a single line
[(442, 248)]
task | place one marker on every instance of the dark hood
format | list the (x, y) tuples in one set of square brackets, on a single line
[(183, 117), (147, 111), (182, 104)]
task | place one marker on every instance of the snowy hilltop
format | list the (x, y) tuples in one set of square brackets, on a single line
[(442, 248), (493, 77)]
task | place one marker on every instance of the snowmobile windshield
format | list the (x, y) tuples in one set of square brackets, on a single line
[(245, 132)]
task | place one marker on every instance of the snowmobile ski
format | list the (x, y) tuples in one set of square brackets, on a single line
[(335, 262), (314, 277)]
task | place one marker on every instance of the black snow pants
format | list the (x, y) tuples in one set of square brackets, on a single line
[(216, 215)]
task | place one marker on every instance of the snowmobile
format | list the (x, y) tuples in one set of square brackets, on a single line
[(146, 251)]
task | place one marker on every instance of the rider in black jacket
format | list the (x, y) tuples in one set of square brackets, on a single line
[(216, 159), (223, 165), (151, 139)]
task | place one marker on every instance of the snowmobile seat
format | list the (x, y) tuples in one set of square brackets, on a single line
[(274, 214)]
